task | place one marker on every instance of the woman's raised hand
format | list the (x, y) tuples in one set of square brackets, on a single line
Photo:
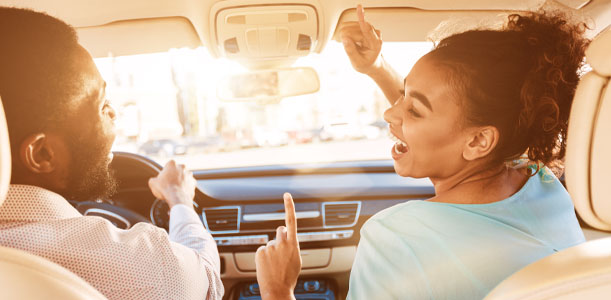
[(278, 263), (362, 43)]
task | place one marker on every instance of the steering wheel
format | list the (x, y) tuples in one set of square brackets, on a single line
[(133, 200), (121, 217)]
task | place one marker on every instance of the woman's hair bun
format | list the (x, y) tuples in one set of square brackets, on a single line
[(557, 47)]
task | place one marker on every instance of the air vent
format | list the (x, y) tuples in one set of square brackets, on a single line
[(222, 219), (231, 45), (304, 42), (340, 214)]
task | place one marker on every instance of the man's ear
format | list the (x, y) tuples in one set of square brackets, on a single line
[(481, 142), (37, 154)]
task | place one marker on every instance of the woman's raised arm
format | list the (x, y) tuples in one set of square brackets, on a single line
[(363, 45)]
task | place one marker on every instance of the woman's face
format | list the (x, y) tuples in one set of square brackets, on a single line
[(426, 125)]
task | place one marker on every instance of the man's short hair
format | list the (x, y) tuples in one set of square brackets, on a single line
[(38, 71)]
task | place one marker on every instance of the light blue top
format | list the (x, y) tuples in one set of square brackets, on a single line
[(430, 250)]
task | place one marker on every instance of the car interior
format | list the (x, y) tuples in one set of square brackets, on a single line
[(242, 205)]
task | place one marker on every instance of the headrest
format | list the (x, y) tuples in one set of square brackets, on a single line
[(597, 54), (5, 156), (588, 152)]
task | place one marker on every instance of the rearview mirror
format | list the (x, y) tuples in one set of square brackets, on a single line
[(269, 85)]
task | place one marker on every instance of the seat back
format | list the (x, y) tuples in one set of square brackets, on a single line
[(588, 153), (27, 276), (584, 271), (5, 156)]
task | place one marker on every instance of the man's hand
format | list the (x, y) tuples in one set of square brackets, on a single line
[(362, 43), (278, 264), (174, 184)]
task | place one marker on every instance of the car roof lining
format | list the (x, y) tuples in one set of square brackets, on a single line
[(142, 26)]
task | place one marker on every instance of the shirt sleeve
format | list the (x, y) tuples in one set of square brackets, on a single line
[(187, 230)]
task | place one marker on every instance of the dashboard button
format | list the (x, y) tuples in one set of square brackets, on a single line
[(254, 289), (311, 286)]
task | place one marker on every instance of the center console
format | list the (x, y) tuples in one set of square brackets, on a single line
[(306, 289)]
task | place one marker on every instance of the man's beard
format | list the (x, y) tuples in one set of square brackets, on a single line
[(90, 177)]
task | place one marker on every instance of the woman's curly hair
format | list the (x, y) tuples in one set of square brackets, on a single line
[(520, 79)]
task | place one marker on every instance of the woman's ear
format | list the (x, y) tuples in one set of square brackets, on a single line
[(37, 154), (481, 142)]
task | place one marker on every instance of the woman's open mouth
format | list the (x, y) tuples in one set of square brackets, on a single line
[(400, 146)]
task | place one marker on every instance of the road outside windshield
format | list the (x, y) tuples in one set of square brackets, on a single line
[(167, 109)]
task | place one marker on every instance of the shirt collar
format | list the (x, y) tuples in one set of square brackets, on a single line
[(33, 204)]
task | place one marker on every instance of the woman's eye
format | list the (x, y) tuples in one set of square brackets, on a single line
[(412, 112)]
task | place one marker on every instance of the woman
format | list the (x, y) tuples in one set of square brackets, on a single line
[(465, 114)]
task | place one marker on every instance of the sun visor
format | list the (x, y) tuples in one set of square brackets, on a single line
[(260, 32), (416, 25), (138, 36)]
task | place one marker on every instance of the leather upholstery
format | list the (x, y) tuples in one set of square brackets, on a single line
[(27, 276), (5, 156), (598, 53), (581, 272), (588, 158)]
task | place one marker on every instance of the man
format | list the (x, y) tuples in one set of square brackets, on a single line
[(61, 129)]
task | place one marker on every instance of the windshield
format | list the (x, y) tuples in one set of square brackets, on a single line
[(168, 109)]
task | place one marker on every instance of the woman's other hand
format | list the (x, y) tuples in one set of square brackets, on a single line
[(279, 262), (362, 43)]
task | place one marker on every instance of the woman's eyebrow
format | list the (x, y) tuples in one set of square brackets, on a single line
[(419, 96), (422, 98)]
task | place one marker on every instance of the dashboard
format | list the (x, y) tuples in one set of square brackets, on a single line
[(242, 207)]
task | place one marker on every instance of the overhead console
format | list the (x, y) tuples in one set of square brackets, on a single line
[(263, 34)]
